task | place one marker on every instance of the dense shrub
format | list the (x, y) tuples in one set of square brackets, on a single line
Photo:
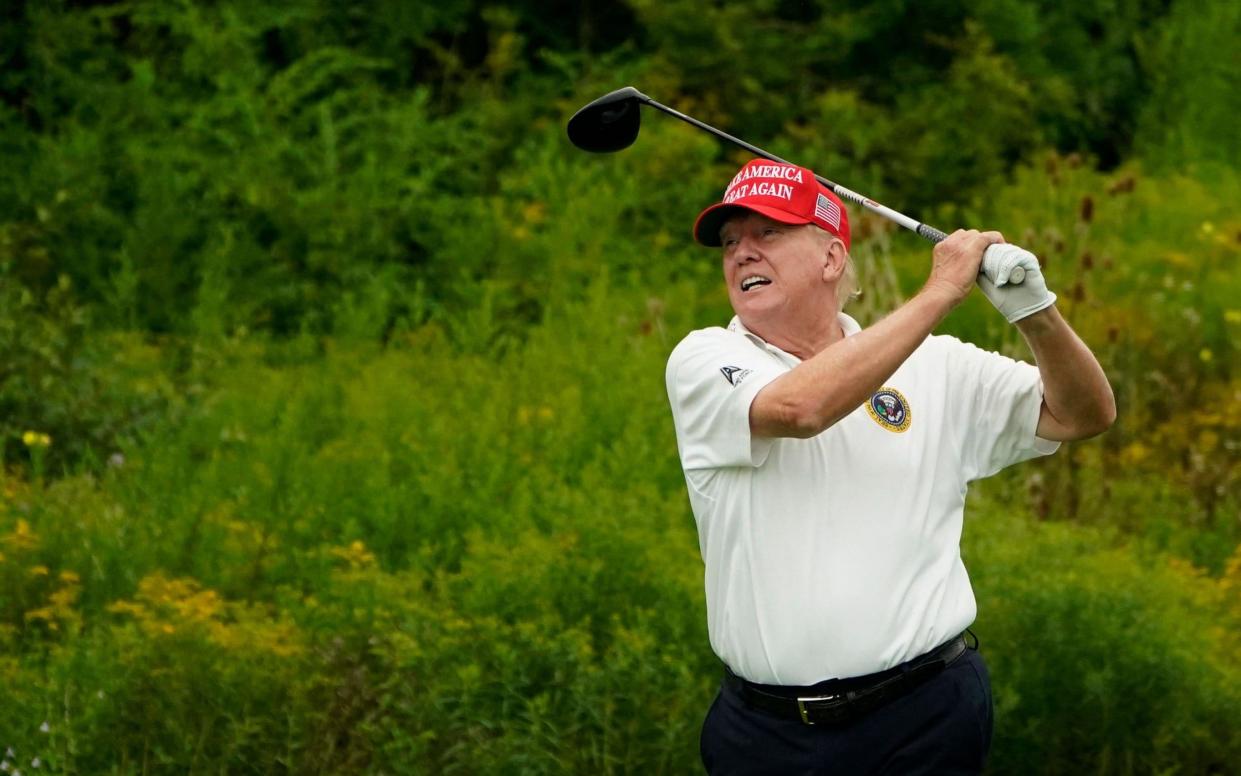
[(1104, 659), (332, 426), (69, 393), (436, 558)]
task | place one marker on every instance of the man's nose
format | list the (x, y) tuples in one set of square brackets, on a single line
[(746, 250)]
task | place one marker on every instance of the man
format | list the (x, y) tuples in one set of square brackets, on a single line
[(827, 468)]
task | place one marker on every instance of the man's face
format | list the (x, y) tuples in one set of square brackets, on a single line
[(773, 270)]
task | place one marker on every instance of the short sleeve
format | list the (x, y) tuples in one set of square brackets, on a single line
[(998, 410), (712, 377)]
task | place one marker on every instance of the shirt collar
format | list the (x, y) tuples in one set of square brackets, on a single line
[(847, 324)]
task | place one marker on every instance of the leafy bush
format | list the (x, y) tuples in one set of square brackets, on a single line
[(332, 429), (431, 558), (69, 394), (1188, 121), (1104, 659)]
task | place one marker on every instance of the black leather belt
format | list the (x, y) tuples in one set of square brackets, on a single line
[(840, 700)]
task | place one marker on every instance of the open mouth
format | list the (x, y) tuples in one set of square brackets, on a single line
[(754, 281)]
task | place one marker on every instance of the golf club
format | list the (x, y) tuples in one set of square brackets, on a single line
[(611, 123)]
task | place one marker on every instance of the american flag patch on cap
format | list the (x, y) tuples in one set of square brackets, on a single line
[(827, 210)]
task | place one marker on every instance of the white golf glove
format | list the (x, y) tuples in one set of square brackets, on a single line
[(1001, 279)]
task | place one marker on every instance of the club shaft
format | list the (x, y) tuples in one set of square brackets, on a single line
[(922, 230)]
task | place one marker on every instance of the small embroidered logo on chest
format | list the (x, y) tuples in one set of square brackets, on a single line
[(890, 409), (735, 374)]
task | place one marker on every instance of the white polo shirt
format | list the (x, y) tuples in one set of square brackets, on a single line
[(839, 555)]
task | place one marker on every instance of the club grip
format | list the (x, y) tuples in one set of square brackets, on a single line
[(931, 233), (1002, 256)]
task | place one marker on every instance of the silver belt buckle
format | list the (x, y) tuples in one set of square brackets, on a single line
[(801, 704)]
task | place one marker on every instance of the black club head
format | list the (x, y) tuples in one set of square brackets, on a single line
[(608, 124)]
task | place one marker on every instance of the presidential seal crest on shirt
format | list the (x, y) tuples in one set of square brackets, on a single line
[(890, 409)]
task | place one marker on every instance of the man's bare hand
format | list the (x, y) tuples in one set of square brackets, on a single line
[(955, 262)]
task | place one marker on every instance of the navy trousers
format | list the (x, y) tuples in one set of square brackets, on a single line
[(942, 726)]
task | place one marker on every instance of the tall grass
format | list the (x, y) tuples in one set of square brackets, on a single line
[(333, 435), (467, 550)]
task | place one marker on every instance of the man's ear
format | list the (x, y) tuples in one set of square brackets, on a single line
[(834, 257)]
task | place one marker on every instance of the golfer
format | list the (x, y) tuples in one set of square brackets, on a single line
[(827, 467)]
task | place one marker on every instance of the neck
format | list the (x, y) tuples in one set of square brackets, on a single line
[(804, 341)]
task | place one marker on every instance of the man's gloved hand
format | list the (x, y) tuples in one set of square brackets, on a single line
[(1014, 301)]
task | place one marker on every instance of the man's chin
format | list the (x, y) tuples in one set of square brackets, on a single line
[(761, 306), (755, 317), (756, 297)]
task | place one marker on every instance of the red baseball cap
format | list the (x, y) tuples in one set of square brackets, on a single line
[(782, 192)]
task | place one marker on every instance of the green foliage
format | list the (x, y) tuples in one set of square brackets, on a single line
[(1082, 63), (285, 167), (499, 512), (394, 560), (332, 426), (263, 194), (953, 92), (1104, 659), (67, 393), (1144, 267), (1191, 118)]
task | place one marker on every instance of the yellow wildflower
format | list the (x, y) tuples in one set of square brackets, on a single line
[(21, 538), (36, 439), (43, 613), (1134, 453), (533, 212), (127, 607), (1208, 441), (356, 554)]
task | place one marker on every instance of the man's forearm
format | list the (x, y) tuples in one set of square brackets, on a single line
[(827, 387), (1077, 397)]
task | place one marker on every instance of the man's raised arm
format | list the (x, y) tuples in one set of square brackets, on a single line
[(1077, 397)]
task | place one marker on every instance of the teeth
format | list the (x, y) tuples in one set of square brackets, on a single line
[(753, 281)]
